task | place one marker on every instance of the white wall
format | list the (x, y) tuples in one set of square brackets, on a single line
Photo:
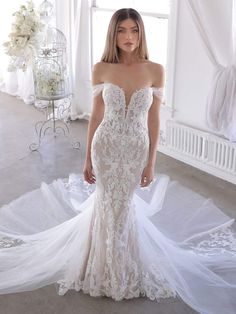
[(193, 69)]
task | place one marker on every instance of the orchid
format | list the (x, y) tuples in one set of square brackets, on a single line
[(23, 41)]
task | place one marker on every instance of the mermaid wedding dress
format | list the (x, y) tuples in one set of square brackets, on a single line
[(116, 239)]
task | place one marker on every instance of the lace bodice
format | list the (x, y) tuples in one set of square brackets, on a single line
[(121, 117), (155, 91)]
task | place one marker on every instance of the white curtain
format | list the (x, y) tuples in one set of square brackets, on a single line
[(73, 19), (20, 84), (215, 21)]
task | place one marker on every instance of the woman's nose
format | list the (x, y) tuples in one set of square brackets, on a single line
[(128, 35)]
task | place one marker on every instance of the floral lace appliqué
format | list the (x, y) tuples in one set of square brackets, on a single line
[(7, 242), (220, 241)]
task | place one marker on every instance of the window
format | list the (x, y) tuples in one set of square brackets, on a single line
[(155, 14)]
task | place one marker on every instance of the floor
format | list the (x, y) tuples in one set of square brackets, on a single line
[(22, 170)]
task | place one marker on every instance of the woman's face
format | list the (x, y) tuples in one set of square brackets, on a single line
[(127, 35)]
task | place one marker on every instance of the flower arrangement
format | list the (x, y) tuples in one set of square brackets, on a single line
[(23, 37), (49, 83)]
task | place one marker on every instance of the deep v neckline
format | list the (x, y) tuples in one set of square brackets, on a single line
[(127, 104)]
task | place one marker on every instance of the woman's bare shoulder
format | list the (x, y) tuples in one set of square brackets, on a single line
[(99, 66), (155, 67), (99, 69), (157, 72)]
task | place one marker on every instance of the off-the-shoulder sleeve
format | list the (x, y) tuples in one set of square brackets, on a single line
[(158, 92), (97, 89)]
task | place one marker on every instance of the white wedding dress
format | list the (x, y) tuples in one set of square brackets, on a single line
[(116, 239)]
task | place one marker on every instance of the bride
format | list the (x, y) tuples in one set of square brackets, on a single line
[(128, 235)]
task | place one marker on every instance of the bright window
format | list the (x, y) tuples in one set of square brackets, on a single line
[(155, 14), (158, 6)]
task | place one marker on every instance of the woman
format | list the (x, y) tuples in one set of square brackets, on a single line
[(121, 240), (121, 149), (125, 64), (121, 153)]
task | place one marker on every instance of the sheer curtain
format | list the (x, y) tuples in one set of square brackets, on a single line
[(20, 84), (216, 24), (73, 19)]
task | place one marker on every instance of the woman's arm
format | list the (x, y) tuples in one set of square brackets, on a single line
[(153, 129), (94, 121)]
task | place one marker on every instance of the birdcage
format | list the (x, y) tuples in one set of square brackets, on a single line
[(51, 80)]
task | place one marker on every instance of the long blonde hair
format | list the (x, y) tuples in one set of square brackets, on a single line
[(111, 52)]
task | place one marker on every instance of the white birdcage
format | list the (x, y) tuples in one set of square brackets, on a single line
[(51, 78)]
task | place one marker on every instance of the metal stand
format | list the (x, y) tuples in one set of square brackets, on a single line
[(55, 123)]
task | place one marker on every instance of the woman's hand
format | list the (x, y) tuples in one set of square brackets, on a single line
[(147, 176), (88, 172)]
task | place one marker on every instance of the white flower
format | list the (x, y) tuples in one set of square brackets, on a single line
[(49, 83), (23, 38), (26, 29)]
